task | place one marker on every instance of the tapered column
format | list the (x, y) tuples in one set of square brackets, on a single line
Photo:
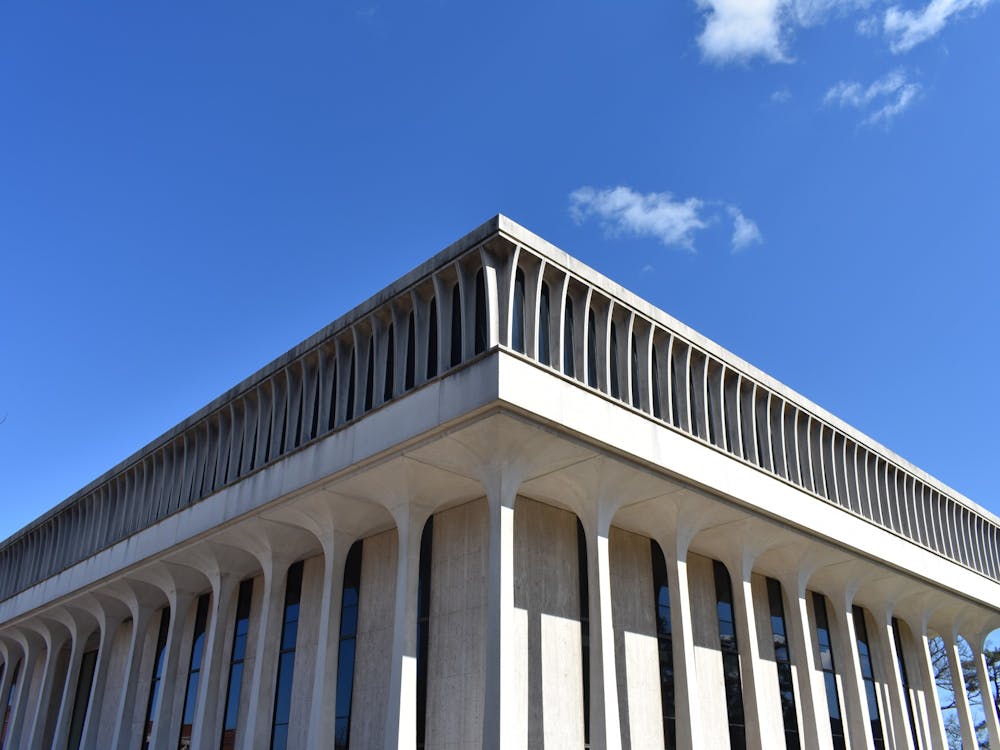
[(848, 661), (31, 646), (125, 716), (92, 724), (209, 705), (322, 716), (163, 712), (266, 644), (886, 640), (502, 726), (751, 673), (814, 719), (11, 659), (54, 640), (686, 704), (401, 718), (962, 707), (68, 701), (935, 720), (605, 724), (986, 690)]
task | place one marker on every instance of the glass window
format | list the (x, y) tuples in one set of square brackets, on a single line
[(657, 406), (154, 685), (868, 676), (730, 656), (351, 383), (581, 556), (665, 645), (904, 680), (81, 700), (635, 373), (829, 672), (782, 658), (286, 658), (348, 641), (237, 656), (423, 626), (194, 671), (10, 701), (370, 375)]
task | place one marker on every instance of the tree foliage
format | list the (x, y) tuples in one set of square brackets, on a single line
[(976, 692)]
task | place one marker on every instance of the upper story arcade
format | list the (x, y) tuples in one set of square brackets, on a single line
[(503, 289)]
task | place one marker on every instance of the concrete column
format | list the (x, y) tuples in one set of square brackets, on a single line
[(814, 717), (885, 638), (10, 662), (54, 640), (174, 669), (257, 733), (985, 687), (125, 714), (91, 725), (605, 723), (322, 715), (751, 669), (218, 644), (501, 725), (845, 643), (31, 647), (67, 704), (686, 705), (401, 718), (935, 720), (962, 707)]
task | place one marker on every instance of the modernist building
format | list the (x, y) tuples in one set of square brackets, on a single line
[(504, 503)]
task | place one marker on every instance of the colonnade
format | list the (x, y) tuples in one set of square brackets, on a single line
[(42, 654)]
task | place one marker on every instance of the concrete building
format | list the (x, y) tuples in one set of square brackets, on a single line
[(503, 503)]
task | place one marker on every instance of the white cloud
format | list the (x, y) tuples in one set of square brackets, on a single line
[(674, 222), (623, 210), (883, 99), (745, 231), (780, 96), (740, 30), (907, 28)]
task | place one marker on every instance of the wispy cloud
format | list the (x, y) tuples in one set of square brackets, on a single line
[(740, 30), (745, 231), (780, 96), (906, 28), (623, 210), (882, 100), (674, 222)]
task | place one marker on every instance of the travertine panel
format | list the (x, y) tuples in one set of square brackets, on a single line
[(707, 654), (374, 644), (113, 683), (456, 644), (636, 652), (547, 589)]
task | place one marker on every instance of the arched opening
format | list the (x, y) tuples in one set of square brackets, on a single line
[(432, 341), (456, 325), (370, 375), (569, 367), (410, 374), (517, 317), (543, 326), (390, 364), (616, 389), (482, 320), (347, 646), (591, 349), (423, 627), (351, 384), (634, 380)]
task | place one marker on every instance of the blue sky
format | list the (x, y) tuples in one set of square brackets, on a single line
[(189, 189)]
